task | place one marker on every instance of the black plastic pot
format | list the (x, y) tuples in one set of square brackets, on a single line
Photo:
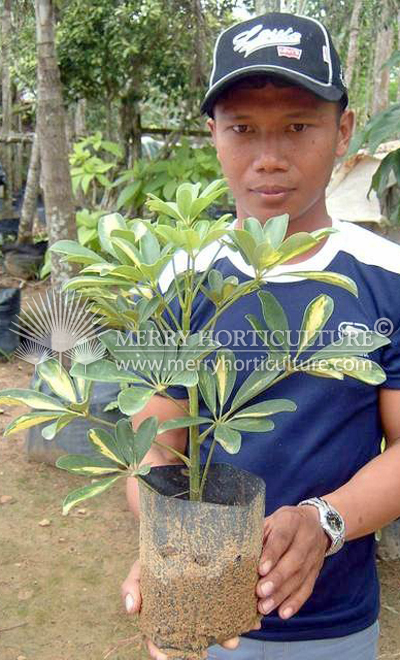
[(199, 560), (10, 306)]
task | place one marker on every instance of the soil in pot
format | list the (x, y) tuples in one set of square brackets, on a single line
[(199, 560)]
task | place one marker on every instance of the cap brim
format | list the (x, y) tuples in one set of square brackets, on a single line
[(328, 93)]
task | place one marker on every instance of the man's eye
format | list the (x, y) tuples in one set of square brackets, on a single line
[(241, 128), (298, 128)]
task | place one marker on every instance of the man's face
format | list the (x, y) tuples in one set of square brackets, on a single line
[(277, 147)]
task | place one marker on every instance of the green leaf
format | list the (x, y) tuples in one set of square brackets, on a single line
[(265, 408), (245, 243), (112, 148), (87, 281), (275, 229), (363, 342), (106, 445), (106, 225), (252, 425), (134, 399), (150, 248), (144, 437), (315, 317), (255, 228), (76, 252), (49, 432), (125, 438), (185, 378), (84, 493), (83, 387), (128, 194), (225, 372), (31, 398), (105, 371), (30, 419), (142, 471), (58, 379), (257, 382), (169, 209), (182, 422), (228, 438), (184, 199), (295, 245), (359, 368), (86, 465), (208, 388), (275, 317), (327, 277)]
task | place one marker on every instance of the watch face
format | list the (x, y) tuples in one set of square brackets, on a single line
[(334, 521)]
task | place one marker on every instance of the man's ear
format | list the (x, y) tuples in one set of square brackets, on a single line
[(211, 126), (346, 127)]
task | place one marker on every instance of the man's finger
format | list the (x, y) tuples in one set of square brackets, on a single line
[(155, 653), (277, 543), (297, 599), (130, 590)]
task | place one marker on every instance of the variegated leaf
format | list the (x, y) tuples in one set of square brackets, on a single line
[(105, 443), (31, 398), (315, 317), (30, 419), (84, 493), (86, 465), (58, 379)]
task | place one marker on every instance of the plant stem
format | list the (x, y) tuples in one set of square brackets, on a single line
[(100, 420), (194, 447), (182, 458), (206, 468), (253, 286)]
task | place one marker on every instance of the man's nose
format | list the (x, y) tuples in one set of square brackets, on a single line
[(271, 155)]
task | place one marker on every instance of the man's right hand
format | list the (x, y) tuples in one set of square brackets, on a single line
[(132, 600)]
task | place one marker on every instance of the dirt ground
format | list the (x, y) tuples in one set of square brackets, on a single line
[(59, 583)]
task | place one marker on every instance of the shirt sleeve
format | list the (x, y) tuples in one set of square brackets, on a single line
[(390, 361)]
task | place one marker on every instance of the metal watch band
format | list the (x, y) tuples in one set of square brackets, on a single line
[(331, 522)]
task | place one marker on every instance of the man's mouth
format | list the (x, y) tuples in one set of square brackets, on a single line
[(272, 191)]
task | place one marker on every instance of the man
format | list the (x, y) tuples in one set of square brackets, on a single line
[(278, 119)]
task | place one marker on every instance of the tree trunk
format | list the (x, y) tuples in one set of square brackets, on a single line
[(80, 119), (264, 6), (6, 106), (19, 158), (31, 193), (200, 68), (58, 200), (380, 99), (398, 48), (109, 118), (353, 42), (131, 128)]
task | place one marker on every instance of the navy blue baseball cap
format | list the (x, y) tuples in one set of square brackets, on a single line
[(297, 48)]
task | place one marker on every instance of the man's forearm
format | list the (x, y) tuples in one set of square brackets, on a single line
[(371, 499)]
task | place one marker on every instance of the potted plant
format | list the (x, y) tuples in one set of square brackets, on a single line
[(186, 572)]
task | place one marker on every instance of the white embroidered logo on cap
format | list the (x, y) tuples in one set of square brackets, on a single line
[(288, 51), (255, 39)]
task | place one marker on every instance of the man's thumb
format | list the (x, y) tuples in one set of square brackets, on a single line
[(131, 603), (131, 590)]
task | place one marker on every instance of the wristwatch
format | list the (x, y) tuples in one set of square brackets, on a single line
[(331, 522)]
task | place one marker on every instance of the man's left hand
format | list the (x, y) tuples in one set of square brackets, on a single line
[(293, 554)]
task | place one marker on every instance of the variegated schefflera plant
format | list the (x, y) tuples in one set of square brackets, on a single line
[(122, 282)]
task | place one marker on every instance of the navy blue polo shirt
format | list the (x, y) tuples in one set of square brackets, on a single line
[(336, 429)]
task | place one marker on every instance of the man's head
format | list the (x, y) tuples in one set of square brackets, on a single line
[(298, 49), (277, 104)]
